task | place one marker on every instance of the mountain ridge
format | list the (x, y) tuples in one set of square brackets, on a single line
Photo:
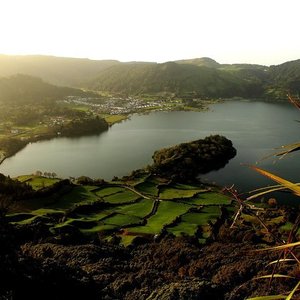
[(203, 77)]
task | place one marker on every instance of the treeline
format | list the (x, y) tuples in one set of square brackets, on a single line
[(11, 192), (187, 160), (11, 145), (201, 77), (81, 127), (177, 78)]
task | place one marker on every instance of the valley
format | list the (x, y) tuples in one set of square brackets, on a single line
[(85, 214)]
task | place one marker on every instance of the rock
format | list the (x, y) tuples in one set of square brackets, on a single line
[(186, 290)]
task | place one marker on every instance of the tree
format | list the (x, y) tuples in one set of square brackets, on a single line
[(38, 173), (6, 202)]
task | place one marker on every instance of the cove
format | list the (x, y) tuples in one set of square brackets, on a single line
[(255, 128)]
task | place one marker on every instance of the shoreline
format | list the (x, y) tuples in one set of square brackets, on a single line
[(205, 107)]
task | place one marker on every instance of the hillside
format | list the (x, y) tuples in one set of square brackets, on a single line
[(56, 70), (197, 78), (178, 78), (285, 77), (202, 78), (23, 89)]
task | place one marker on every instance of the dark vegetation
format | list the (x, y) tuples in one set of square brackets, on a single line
[(56, 70), (83, 127), (23, 89), (187, 160), (68, 265), (201, 78), (32, 110), (195, 78)]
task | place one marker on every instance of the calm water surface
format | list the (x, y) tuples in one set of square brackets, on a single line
[(255, 128)]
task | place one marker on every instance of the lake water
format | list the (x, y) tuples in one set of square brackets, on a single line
[(255, 128)]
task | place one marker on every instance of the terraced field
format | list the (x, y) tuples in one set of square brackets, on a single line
[(146, 207)]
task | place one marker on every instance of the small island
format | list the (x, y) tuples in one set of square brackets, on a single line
[(187, 160)]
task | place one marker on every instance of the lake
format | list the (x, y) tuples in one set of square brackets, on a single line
[(255, 128)]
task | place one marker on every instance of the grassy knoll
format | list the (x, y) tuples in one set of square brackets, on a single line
[(167, 192), (80, 223), (62, 200), (182, 186), (126, 240), (47, 211), (107, 209), (106, 191), (184, 228), (97, 216), (190, 222), (37, 182), (18, 217), (112, 119), (121, 197), (139, 209), (166, 213), (101, 228), (147, 187), (78, 194), (206, 214), (122, 220), (210, 198)]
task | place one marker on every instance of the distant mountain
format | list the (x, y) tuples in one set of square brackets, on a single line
[(200, 77), (56, 70), (26, 89), (286, 77), (203, 62), (181, 78)]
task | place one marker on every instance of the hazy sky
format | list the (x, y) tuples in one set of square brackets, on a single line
[(252, 31)]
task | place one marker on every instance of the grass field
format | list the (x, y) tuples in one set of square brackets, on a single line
[(147, 187), (155, 207), (122, 220), (139, 209), (184, 228), (190, 222), (37, 182), (78, 194), (167, 192), (167, 212), (210, 198), (206, 214), (106, 191), (121, 197), (112, 119)]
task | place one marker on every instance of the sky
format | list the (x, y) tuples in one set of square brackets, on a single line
[(229, 31)]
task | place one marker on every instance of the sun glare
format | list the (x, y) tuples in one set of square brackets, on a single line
[(231, 31)]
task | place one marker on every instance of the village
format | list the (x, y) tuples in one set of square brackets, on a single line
[(122, 105)]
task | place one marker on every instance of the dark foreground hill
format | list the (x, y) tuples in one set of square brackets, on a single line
[(34, 266)]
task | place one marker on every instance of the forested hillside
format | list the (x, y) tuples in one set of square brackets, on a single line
[(199, 77), (56, 70), (23, 88)]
